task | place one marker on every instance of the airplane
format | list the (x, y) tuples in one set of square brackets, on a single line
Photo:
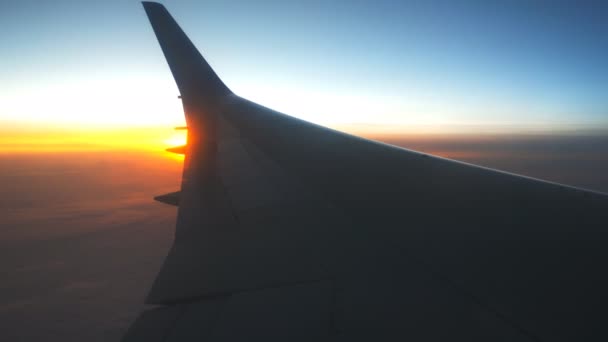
[(287, 230)]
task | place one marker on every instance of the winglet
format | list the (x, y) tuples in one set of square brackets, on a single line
[(193, 75)]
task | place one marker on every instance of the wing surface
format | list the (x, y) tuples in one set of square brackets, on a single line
[(289, 230)]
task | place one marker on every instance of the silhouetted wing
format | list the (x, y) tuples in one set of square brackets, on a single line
[(288, 230)]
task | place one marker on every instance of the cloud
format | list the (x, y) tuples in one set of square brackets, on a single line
[(82, 240)]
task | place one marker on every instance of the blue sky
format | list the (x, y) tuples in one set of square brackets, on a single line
[(463, 63)]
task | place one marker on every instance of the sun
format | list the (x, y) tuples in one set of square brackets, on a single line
[(179, 138)]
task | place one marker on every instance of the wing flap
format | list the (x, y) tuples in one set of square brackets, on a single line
[(171, 198)]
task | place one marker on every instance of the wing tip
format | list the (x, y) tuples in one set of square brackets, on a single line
[(151, 4), (192, 73)]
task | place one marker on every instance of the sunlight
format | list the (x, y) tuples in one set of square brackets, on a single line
[(109, 100), (37, 139), (179, 138)]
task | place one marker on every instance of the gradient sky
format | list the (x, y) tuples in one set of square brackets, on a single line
[(401, 64)]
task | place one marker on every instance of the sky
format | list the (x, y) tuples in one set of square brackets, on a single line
[(415, 66)]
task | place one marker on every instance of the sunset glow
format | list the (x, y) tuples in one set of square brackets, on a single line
[(41, 139), (179, 138)]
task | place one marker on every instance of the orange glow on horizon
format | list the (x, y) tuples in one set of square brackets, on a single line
[(29, 139)]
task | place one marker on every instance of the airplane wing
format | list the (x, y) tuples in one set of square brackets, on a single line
[(287, 230)]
